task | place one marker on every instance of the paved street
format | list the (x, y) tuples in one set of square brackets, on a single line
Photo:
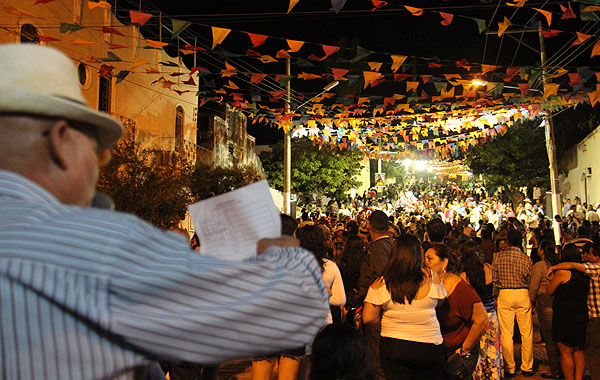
[(241, 369)]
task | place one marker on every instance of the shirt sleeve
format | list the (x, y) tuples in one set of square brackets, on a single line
[(174, 303), (378, 296), (338, 294), (536, 280)]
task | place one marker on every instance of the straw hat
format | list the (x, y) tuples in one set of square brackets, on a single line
[(38, 80)]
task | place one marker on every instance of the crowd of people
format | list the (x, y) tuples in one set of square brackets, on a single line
[(420, 284), (440, 294)]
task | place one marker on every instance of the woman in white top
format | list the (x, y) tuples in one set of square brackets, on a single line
[(404, 299)]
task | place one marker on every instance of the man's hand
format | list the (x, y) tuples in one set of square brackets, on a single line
[(282, 241), (550, 273)]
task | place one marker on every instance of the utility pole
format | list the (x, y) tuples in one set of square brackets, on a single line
[(550, 146), (287, 149)]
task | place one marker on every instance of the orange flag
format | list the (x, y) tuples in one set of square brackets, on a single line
[(292, 5), (414, 11), (596, 49), (550, 89), (267, 59), (546, 14), (594, 96), (502, 26), (139, 17), (338, 74), (370, 77), (229, 70), (329, 50), (294, 45), (80, 41), (257, 78), (398, 60), (412, 86), (581, 38), (517, 4), (282, 54), (100, 4), (308, 76), (447, 18), (375, 66), (219, 35), (378, 4), (591, 8), (487, 68), (231, 86), (257, 39), (156, 44)]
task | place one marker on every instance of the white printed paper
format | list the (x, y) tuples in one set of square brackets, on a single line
[(229, 225)]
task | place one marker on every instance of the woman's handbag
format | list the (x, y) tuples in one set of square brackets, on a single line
[(461, 367)]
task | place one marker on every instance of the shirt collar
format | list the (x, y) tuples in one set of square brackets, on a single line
[(14, 185)]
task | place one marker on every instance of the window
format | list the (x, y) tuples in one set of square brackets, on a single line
[(179, 129), (29, 34), (82, 73), (104, 92)]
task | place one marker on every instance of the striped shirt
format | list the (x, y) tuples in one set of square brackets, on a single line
[(511, 269), (89, 293), (592, 270)]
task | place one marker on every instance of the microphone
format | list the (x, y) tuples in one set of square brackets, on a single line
[(103, 200)]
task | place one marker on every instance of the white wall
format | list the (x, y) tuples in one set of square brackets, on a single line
[(587, 154)]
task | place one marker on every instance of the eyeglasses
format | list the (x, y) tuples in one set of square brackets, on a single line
[(85, 130)]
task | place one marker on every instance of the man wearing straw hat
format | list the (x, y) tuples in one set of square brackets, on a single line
[(92, 294)]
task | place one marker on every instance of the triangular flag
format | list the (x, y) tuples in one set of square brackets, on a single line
[(179, 26), (414, 11), (282, 54), (231, 86), (294, 45), (567, 12), (581, 38), (292, 5), (152, 70), (267, 59), (64, 27), (338, 74), (411, 86), (100, 4), (397, 60), (229, 70), (329, 50), (550, 33), (378, 4), (257, 78), (594, 96), (81, 42), (447, 18), (591, 8), (257, 39), (43, 2), (111, 57), (546, 14), (105, 70), (48, 38), (517, 4), (510, 73), (193, 48), (337, 5), (219, 35), (117, 46), (106, 29), (502, 26), (190, 81), (156, 44), (375, 66), (487, 68), (550, 89), (370, 77), (481, 25), (308, 76), (138, 62), (139, 18), (122, 75), (596, 49)]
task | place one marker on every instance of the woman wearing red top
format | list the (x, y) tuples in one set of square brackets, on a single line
[(462, 315)]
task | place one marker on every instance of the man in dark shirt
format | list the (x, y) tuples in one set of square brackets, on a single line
[(378, 253)]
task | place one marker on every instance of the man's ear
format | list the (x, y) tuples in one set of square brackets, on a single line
[(58, 143)]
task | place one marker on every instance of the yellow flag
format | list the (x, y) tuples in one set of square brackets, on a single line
[(502, 26), (294, 45), (546, 14), (219, 35), (550, 89)]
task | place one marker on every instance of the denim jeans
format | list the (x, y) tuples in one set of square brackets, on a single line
[(543, 304)]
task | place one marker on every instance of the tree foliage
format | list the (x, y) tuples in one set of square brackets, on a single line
[(325, 171), (208, 181), (150, 184)]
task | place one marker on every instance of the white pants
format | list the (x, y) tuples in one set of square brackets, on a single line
[(515, 303)]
